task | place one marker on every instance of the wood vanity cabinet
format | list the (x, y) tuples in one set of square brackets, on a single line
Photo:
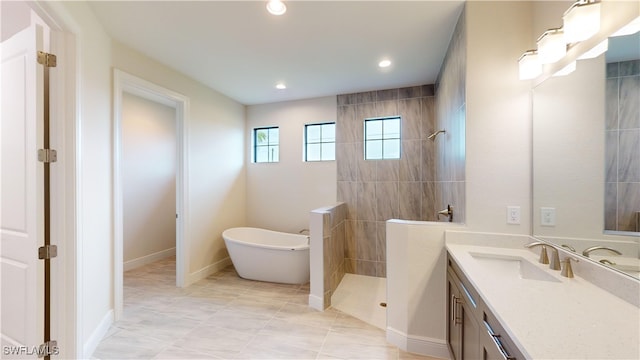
[(473, 332)]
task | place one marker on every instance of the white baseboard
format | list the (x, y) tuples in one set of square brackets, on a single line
[(316, 302), (96, 336), (148, 259), (207, 270), (418, 344)]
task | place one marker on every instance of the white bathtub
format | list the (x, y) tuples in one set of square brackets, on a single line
[(265, 255)]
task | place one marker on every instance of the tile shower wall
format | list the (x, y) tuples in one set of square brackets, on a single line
[(334, 234), (622, 200), (430, 173), (449, 175), (379, 190)]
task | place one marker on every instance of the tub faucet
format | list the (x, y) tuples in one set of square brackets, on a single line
[(447, 212), (586, 252), (544, 258)]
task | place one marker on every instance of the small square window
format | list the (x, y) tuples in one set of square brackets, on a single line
[(266, 144), (320, 142), (382, 138)]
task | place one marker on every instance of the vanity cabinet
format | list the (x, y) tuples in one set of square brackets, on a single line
[(463, 329), (473, 332)]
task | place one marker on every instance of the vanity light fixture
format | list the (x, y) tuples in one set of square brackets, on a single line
[(276, 7), (596, 51), (529, 65), (631, 28), (581, 21), (281, 86), (571, 67), (551, 46), (384, 63)]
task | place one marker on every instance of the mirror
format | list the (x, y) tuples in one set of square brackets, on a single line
[(586, 157)]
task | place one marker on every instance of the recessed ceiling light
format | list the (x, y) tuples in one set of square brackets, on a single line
[(384, 63), (281, 86), (276, 7)]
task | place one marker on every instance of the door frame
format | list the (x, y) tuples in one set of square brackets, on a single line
[(66, 201), (125, 82)]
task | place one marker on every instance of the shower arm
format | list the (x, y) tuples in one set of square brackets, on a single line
[(433, 136)]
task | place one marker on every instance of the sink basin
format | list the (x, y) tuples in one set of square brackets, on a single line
[(512, 266)]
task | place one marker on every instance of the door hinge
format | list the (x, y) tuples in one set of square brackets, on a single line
[(47, 349), (47, 155), (46, 59), (47, 252)]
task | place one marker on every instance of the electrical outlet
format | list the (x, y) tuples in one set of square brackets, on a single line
[(513, 214), (547, 216)]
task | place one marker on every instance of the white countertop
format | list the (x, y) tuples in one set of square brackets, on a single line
[(569, 319)]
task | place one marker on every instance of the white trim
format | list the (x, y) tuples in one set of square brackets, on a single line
[(97, 335), (418, 344), (316, 302), (124, 82), (208, 270), (148, 259), (66, 277)]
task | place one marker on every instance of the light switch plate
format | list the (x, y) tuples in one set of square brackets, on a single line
[(547, 216), (513, 215)]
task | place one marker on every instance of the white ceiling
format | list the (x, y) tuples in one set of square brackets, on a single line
[(318, 48)]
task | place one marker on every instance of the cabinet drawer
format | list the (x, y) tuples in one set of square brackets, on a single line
[(469, 293), (497, 344)]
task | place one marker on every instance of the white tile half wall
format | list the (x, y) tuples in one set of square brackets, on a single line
[(416, 284)]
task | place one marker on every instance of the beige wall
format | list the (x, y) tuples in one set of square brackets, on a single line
[(498, 136), (216, 170), (148, 180), (216, 165), (281, 195), (95, 220)]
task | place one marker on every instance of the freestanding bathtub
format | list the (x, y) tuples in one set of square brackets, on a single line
[(265, 255)]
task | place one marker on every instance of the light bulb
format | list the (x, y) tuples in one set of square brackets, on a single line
[(529, 65), (551, 46), (276, 7), (581, 21)]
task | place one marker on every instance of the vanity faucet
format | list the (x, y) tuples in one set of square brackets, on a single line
[(544, 258), (587, 251), (567, 270), (554, 264)]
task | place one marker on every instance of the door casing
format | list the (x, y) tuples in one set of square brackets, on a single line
[(125, 82)]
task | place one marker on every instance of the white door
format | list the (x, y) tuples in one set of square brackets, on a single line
[(21, 177)]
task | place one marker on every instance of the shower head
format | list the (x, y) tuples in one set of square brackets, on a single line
[(433, 136)]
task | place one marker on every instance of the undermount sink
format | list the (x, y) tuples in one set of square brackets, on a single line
[(510, 266)]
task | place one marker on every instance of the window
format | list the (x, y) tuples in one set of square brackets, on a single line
[(320, 142), (266, 144), (382, 138)]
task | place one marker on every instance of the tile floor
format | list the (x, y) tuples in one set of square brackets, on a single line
[(226, 317)]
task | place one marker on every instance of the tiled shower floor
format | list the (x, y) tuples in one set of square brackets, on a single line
[(226, 317)]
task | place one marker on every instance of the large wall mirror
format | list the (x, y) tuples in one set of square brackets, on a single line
[(586, 157)]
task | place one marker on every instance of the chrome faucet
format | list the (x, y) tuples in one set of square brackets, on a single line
[(586, 252), (544, 259)]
